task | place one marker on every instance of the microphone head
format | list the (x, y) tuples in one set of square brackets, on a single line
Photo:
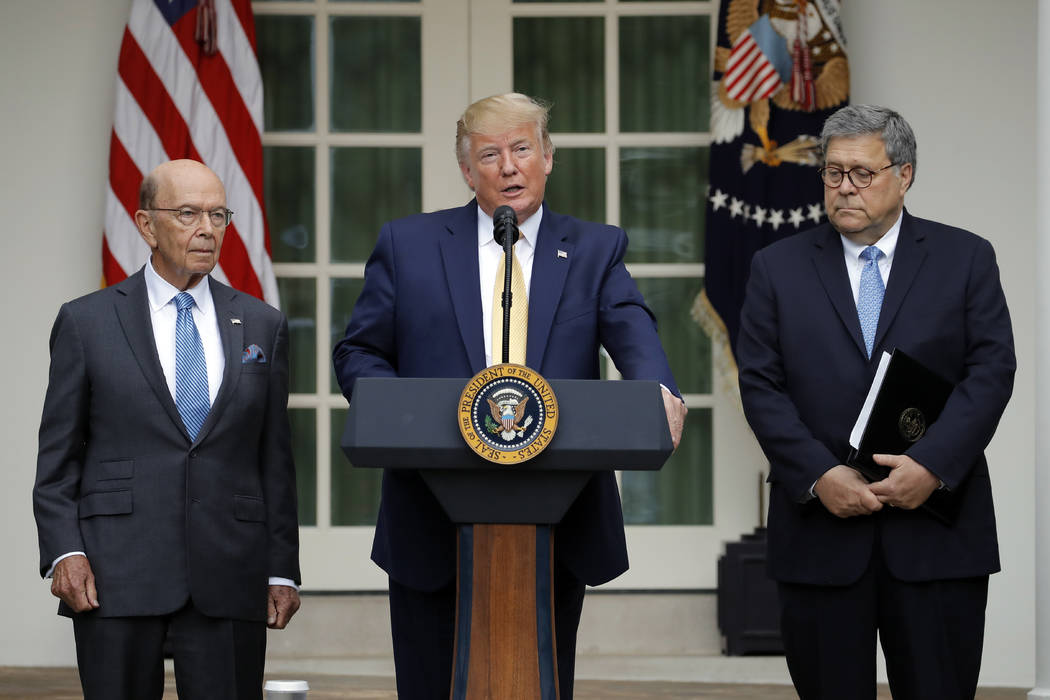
[(504, 219), (505, 213)]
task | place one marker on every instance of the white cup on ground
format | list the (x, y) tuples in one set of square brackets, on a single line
[(286, 690)]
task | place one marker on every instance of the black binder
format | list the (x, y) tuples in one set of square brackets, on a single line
[(909, 399)]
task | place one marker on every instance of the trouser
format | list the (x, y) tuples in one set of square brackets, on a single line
[(932, 635), (122, 658)]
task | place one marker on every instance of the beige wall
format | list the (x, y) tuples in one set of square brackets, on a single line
[(961, 71), (56, 92)]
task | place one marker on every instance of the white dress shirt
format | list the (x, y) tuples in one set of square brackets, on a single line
[(489, 254)]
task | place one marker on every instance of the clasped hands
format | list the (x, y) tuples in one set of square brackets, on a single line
[(846, 493), (73, 582)]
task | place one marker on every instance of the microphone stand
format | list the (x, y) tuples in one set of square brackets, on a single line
[(508, 256), (507, 234)]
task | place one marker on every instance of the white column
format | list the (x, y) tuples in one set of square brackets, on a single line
[(1042, 352)]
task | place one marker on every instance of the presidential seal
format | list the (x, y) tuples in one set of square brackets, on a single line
[(911, 424), (508, 413)]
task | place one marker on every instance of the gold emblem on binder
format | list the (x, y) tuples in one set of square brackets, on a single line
[(912, 424)]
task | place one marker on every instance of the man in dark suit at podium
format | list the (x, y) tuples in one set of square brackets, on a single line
[(853, 558), (427, 309)]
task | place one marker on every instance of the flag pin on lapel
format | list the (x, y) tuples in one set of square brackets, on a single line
[(235, 321), (563, 254)]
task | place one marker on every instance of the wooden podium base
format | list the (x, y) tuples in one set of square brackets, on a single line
[(505, 647)]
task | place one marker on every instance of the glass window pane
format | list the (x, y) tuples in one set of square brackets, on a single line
[(560, 60), (664, 73), (661, 193), (576, 185), (289, 192), (376, 74), (286, 61), (371, 186), (299, 304), (304, 451), (687, 346), (344, 294), (681, 492), (355, 492)]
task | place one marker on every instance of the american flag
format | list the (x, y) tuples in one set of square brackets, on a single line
[(758, 61), (189, 86)]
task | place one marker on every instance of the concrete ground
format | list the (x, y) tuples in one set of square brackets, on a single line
[(62, 684)]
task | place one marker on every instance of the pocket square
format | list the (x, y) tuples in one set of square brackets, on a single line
[(253, 354)]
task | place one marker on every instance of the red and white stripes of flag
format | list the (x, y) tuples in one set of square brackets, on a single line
[(189, 86)]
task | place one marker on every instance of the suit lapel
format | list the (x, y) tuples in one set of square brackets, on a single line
[(459, 252), (231, 333), (907, 259), (549, 270), (132, 307), (831, 269)]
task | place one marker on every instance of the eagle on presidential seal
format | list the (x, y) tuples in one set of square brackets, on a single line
[(508, 414)]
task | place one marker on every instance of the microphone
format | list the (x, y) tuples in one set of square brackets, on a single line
[(504, 219), (505, 231)]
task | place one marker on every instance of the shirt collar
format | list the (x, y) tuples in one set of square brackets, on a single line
[(161, 292), (887, 244), (530, 229)]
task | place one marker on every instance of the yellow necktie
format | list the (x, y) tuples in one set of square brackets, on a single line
[(519, 313)]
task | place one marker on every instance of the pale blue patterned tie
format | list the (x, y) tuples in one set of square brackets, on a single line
[(191, 371), (869, 301)]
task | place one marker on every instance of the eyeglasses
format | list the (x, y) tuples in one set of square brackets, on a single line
[(860, 177), (187, 216)]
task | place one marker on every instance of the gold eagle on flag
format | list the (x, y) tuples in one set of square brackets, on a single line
[(819, 79)]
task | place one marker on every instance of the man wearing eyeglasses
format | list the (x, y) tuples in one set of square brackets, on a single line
[(853, 558), (165, 492)]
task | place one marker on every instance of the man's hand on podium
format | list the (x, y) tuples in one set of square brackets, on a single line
[(676, 410)]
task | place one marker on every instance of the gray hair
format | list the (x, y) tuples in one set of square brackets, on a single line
[(148, 192), (861, 120)]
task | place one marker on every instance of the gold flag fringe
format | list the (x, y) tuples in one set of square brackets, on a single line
[(722, 360)]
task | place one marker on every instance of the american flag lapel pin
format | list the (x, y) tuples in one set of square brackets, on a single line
[(563, 254)]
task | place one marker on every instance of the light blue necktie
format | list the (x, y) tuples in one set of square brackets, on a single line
[(869, 301), (191, 371)]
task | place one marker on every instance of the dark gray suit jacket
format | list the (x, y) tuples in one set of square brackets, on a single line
[(163, 518)]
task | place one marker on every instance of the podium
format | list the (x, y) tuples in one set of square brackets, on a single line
[(505, 646)]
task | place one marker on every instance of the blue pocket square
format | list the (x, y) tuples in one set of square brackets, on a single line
[(253, 354)]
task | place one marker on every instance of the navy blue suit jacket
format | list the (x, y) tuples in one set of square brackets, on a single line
[(804, 374), (419, 315)]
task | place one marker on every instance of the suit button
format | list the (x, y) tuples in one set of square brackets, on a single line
[(193, 454), (196, 500)]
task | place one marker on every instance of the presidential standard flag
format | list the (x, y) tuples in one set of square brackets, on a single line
[(188, 86), (780, 69)]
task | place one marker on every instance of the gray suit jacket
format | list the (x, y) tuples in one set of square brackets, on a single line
[(164, 518)]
